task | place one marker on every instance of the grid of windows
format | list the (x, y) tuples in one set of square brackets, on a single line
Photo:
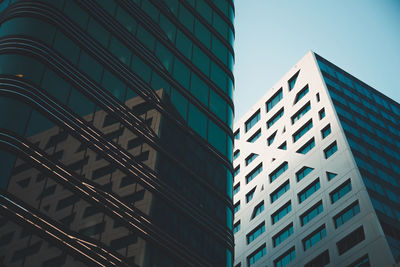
[(311, 213), (351, 240), (274, 99), (254, 173), (286, 258), (341, 191), (280, 213), (278, 171), (257, 210), (346, 214), (319, 261), (330, 150), (309, 190), (326, 131), (255, 233), (282, 235), (255, 136), (302, 131), (256, 255), (303, 172), (301, 94), (314, 237), (250, 158), (275, 118), (307, 147), (301, 112), (280, 191), (252, 121)]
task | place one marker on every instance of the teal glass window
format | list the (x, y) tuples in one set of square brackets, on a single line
[(346, 214), (274, 99), (311, 213), (301, 112), (271, 139), (330, 175), (180, 103), (56, 86), (275, 118), (220, 25), (302, 131), (303, 172), (205, 10), (351, 240), (219, 77), (286, 258), (307, 147), (341, 191), (254, 173), (202, 33), (28, 67), (217, 137), (184, 44), (201, 60), (90, 66), (256, 232), (301, 94), (281, 212), (236, 171), (330, 150), (120, 50), (168, 27), (283, 146), (236, 227), (197, 121), (282, 235), (280, 191), (81, 104), (249, 195), (250, 158), (309, 190), (361, 262), (145, 37), (314, 237), (181, 73), (236, 154), (257, 210), (321, 113), (326, 131), (114, 85), (236, 188), (98, 32), (278, 171), (237, 135), (200, 90), (164, 55), (321, 260), (219, 50), (292, 81), (75, 13), (186, 18), (6, 165), (255, 136), (38, 124), (127, 20), (253, 120), (256, 255), (217, 105), (14, 114), (67, 47), (236, 207)]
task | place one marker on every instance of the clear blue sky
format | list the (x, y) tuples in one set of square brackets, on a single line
[(360, 36)]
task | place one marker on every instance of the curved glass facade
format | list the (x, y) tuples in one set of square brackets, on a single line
[(116, 132)]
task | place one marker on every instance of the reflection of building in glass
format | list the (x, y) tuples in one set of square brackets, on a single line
[(115, 133), (316, 173)]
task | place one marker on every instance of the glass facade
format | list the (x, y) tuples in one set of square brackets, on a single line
[(116, 132)]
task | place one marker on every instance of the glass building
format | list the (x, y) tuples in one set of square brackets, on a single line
[(116, 132), (319, 185)]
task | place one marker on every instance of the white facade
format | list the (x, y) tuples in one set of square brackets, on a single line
[(271, 157)]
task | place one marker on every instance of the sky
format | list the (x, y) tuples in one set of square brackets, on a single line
[(360, 36)]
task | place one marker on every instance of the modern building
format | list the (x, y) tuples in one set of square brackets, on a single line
[(116, 133), (317, 167)]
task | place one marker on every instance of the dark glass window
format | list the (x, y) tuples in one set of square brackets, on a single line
[(236, 154), (321, 114), (280, 191), (311, 213), (256, 232), (183, 44), (346, 214), (236, 188), (236, 207), (314, 237), (236, 171), (255, 136), (257, 210), (361, 262), (349, 241), (319, 261), (301, 112), (330, 150), (90, 66), (309, 190), (285, 258), (201, 60), (307, 147), (181, 73), (275, 118), (202, 33), (330, 175), (326, 131), (274, 99), (293, 80), (197, 120), (98, 32), (256, 255), (281, 212), (302, 131), (282, 235), (341, 191), (254, 173), (252, 121), (218, 76), (237, 135), (250, 158), (283, 146), (236, 227), (217, 104), (278, 171), (249, 195), (271, 139), (303, 172), (301, 94)]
